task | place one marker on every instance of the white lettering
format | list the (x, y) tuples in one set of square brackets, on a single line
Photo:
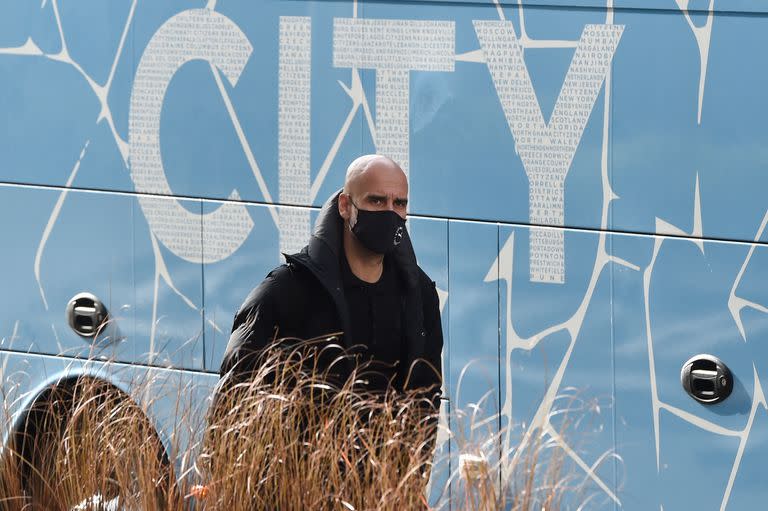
[(294, 136), (393, 48), (189, 35), (547, 149)]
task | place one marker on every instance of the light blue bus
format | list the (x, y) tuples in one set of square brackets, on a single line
[(586, 190)]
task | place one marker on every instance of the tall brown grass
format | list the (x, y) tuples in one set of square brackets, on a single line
[(290, 440), (287, 439), (80, 442)]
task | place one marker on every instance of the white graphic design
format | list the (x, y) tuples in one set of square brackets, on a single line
[(194, 34), (736, 303), (547, 149), (224, 233), (703, 35), (102, 92), (294, 109), (31, 49), (502, 269), (393, 48), (52, 222)]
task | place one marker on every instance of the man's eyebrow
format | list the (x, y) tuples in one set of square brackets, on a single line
[(383, 197)]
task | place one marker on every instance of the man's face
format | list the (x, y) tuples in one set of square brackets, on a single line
[(382, 186)]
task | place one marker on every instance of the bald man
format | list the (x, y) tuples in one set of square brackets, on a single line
[(358, 275)]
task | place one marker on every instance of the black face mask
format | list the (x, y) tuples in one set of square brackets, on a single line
[(379, 231)]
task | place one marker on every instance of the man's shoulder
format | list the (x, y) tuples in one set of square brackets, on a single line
[(284, 282), (425, 281), (282, 275)]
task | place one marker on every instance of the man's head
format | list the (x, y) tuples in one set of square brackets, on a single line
[(374, 184)]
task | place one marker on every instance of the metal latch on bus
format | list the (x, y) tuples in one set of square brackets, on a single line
[(706, 379), (86, 314)]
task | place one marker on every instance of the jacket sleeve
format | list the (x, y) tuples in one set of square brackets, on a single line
[(256, 322), (427, 371), (432, 373), (434, 341)]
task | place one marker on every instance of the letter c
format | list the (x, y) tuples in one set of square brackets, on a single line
[(189, 35)]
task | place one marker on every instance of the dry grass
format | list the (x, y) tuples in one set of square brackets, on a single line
[(286, 440), (289, 440), (81, 439)]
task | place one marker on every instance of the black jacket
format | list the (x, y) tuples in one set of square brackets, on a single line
[(304, 299)]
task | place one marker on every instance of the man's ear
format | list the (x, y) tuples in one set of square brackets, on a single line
[(343, 203)]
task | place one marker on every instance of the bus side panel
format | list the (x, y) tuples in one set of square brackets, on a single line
[(64, 242), (680, 305)]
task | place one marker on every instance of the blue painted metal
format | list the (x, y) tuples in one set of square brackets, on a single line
[(163, 154)]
